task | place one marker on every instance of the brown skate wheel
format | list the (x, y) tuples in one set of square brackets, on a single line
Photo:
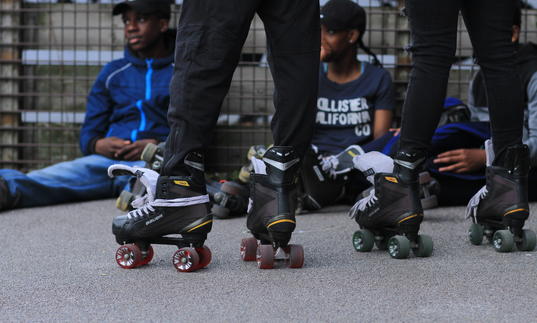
[(148, 257), (265, 256), (248, 249), (128, 256), (186, 259), (296, 256), (205, 256)]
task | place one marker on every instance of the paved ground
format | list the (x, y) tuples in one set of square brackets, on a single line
[(57, 264)]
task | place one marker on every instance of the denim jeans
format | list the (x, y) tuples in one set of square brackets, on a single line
[(81, 179), (433, 26)]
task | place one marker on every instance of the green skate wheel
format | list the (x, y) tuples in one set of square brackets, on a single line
[(363, 240), (124, 201), (149, 153), (382, 244), (425, 246), (399, 247), (475, 234), (529, 240), (503, 241)]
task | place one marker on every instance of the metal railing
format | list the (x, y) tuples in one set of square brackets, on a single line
[(51, 52)]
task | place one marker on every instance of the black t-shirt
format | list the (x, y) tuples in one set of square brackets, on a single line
[(345, 111)]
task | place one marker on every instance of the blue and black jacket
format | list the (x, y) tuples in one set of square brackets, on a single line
[(129, 100)]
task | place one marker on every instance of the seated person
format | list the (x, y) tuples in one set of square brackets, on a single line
[(126, 110), (355, 106)]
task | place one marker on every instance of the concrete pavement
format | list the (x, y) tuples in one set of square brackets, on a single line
[(57, 264)]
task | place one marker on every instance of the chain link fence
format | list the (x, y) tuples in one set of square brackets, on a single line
[(51, 52)]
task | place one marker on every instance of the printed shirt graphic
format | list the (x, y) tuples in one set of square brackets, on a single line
[(345, 111)]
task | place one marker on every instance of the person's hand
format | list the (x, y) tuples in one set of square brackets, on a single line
[(461, 160), (108, 147), (134, 151)]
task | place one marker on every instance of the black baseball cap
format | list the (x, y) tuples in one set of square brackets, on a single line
[(161, 8), (339, 15)]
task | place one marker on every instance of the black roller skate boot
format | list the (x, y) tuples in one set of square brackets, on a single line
[(153, 156), (501, 207), (172, 206), (391, 215), (271, 215)]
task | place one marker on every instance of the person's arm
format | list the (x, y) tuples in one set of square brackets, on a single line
[(383, 123), (531, 137), (461, 160), (98, 110), (384, 106)]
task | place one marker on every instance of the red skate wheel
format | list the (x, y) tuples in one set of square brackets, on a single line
[(205, 256), (186, 259), (265, 256), (296, 256), (148, 257), (248, 249), (128, 256)]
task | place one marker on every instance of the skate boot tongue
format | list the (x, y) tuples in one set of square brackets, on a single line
[(373, 163)]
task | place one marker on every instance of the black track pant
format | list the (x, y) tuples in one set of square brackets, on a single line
[(433, 25), (210, 37)]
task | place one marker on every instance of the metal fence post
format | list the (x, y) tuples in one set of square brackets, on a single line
[(9, 85)]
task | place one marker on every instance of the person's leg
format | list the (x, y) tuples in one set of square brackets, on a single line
[(393, 210), (210, 36), (209, 40), (293, 40), (490, 27), (500, 209), (81, 179)]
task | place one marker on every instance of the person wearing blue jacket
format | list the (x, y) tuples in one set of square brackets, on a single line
[(126, 110)]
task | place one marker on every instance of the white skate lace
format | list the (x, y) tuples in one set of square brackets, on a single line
[(329, 165), (149, 207), (363, 204), (471, 209)]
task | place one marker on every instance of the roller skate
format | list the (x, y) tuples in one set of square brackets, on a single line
[(499, 210), (173, 211), (312, 175), (230, 201), (429, 189), (341, 163), (271, 215), (153, 156), (391, 215)]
